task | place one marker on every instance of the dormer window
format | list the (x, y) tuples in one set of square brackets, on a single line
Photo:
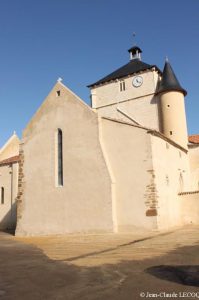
[(122, 85)]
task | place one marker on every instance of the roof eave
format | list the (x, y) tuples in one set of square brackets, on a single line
[(165, 90), (119, 77)]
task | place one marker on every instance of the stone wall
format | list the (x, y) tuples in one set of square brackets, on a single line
[(151, 196), (20, 184)]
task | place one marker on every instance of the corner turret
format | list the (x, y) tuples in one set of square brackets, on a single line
[(169, 80), (174, 125)]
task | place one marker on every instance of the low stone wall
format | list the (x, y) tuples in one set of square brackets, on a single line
[(189, 207)]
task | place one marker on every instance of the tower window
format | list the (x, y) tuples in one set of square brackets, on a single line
[(2, 195), (59, 158), (122, 86), (171, 132), (168, 105), (167, 179), (58, 93), (181, 183)]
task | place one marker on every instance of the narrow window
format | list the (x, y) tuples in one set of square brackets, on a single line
[(60, 157), (122, 85), (181, 183), (58, 93), (2, 195), (171, 132)]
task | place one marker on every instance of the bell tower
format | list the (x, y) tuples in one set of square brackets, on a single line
[(135, 53), (174, 125), (129, 93)]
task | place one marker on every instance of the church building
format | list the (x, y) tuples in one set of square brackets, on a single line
[(124, 164)]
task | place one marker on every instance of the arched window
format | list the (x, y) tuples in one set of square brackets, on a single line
[(2, 195), (59, 157)]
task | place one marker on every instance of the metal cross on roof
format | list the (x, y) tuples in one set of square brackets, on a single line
[(134, 35)]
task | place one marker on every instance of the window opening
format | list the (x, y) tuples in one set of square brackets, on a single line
[(58, 93), (122, 85), (60, 157), (2, 195)]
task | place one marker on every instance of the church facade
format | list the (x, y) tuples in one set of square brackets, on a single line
[(124, 164)]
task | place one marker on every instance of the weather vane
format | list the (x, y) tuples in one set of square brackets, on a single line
[(134, 35)]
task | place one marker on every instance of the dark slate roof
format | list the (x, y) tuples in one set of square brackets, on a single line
[(134, 66), (169, 81), (134, 49)]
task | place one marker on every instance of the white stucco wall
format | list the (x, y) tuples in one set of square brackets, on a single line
[(174, 124), (194, 166), (9, 181), (169, 164), (11, 148), (84, 202), (129, 153), (139, 102), (144, 110), (189, 208)]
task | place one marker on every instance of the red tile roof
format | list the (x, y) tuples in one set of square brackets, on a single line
[(194, 138), (9, 160)]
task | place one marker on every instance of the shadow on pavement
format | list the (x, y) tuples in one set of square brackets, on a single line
[(186, 275), (27, 274)]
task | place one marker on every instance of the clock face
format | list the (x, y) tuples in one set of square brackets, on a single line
[(137, 81)]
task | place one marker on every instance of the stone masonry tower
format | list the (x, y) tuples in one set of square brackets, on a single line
[(174, 124), (129, 93)]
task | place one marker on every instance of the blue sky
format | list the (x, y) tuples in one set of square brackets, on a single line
[(84, 40)]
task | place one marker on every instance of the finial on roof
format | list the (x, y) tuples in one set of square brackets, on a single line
[(14, 133), (59, 79), (166, 59)]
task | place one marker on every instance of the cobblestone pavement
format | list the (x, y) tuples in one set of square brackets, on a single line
[(101, 267)]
